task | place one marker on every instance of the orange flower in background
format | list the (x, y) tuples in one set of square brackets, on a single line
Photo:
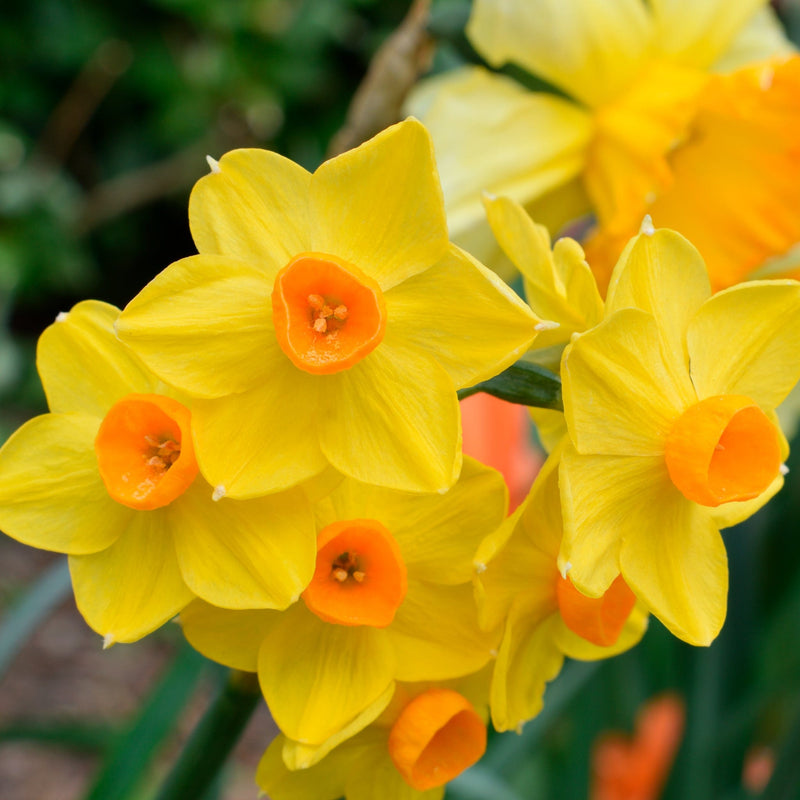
[(636, 768), (498, 434)]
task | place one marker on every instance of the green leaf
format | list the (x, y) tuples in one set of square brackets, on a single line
[(25, 616), (523, 383), (128, 762)]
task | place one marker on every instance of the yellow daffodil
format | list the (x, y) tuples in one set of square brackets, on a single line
[(427, 736), (390, 600), (545, 617), (686, 109), (110, 477), (670, 408), (327, 319)]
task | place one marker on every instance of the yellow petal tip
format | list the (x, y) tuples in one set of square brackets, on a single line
[(109, 640), (218, 493), (546, 325), (647, 226), (480, 568), (213, 164), (784, 470), (565, 569), (62, 316)]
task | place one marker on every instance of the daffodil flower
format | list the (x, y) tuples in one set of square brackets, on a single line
[(327, 320), (670, 405), (428, 735), (110, 477), (390, 600), (684, 109), (544, 617)]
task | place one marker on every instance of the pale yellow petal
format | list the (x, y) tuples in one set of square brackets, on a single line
[(761, 38), (435, 633), (698, 32), (253, 207), (263, 440), (51, 492), (678, 567), (482, 127), (380, 206), (393, 420), (317, 677), (135, 585), (606, 499), (464, 316), (205, 325), (528, 658), (232, 638), (84, 368), (256, 553), (746, 340), (663, 274), (619, 395), (591, 50)]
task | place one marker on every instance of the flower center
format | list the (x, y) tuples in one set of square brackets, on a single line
[(144, 451), (599, 620), (435, 738), (360, 577), (723, 449), (328, 315)]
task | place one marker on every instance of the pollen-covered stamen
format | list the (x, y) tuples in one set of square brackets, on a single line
[(327, 314), (144, 451), (360, 577)]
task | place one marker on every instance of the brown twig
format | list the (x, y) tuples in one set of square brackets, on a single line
[(394, 69)]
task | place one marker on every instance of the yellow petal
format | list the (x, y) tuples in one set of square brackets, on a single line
[(528, 658), (678, 568), (84, 369), (380, 206), (232, 638), (244, 553), (134, 586), (435, 633), (376, 776), (616, 373), (253, 207), (393, 420), (696, 32), (463, 315), (481, 127), (762, 37), (204, 324), (324, 781), (605, 499), (51, 493), (263, 440), (317, 677), (589, 49), (437, 534), (575, 646), (663, 274), (520, 556), (746, 340), (303, 756), (550, 425), (558, 283), (729, 514)]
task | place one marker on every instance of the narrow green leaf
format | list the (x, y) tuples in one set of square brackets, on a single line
[(82, 737), (127, 763), (25, 616), (212, 740), (523, 383)]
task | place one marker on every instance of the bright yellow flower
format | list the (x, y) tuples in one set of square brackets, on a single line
[(390, 600), (545, 618), (109, 477), (428, 735), (670, 407), (327, 319), (686, 109)]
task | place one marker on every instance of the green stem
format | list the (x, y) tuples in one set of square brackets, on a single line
[(213, 739)]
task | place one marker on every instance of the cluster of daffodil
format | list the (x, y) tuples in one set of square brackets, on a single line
[(266, 441)]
